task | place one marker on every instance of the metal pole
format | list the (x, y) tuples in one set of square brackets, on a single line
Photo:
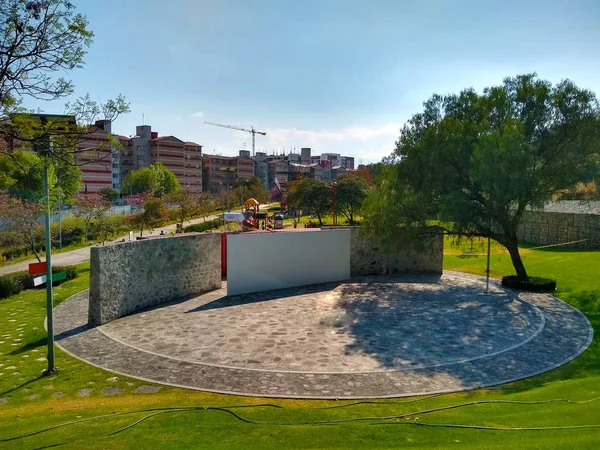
[(49, 305), (59, 221), (334, 206), (487, 270), (228, 210)]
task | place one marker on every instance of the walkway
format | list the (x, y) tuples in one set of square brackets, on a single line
[(83, 254), (368, 337)]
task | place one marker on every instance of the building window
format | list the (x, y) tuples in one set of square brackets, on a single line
[(115, 175)]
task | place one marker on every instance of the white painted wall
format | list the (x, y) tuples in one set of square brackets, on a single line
[(264, 261)]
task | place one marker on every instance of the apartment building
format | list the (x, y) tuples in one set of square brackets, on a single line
[(218, 171), (99, 160), (183, 158)]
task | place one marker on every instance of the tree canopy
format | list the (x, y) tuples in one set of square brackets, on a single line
[(40, 41), (478, 161), (39, 38), (250, 187), (314, 196), (156, 178), (351, 191)]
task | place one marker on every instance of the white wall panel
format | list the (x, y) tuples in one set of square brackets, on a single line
[(264, 261)]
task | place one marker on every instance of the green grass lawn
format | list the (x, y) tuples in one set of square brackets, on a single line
[(30, 402)]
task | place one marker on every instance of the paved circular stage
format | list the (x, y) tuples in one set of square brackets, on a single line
[(366, 337)]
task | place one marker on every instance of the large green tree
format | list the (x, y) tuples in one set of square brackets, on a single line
[(156, 178), (351, 191), (478, 161), (312, 195)]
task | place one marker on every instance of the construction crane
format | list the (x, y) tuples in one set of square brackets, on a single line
[(252, 131)]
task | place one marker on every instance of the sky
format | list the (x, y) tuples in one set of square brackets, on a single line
[(339, 76)]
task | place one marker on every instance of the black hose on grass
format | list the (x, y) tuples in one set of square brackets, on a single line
[(387, 419), (124, 413)]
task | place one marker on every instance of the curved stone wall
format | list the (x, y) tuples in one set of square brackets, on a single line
[(129, 276)]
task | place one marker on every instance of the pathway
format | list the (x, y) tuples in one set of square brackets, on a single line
[(83, 254)]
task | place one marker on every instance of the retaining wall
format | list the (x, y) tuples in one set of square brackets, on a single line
[(424, 254), (547, 228), (129, 276)]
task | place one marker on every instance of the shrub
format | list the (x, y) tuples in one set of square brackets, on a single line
[(535, 284), (8, 287), (204, 226), (71, 271), (25, 280)]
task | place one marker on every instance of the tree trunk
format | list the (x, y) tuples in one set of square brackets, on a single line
[(34, 250), (515, 257)]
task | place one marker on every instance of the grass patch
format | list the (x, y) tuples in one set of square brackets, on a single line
[(29, 402)]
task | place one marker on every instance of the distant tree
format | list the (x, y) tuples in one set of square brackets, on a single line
[(167, 181), (186, 203), (221, 199), (205, 204), (22, 216), (138, 181), (109, 195), (314, 196), (153, 214), (364, 173), (90, 207), (351, 191), (156, 178), (250, 187), (477, 161)]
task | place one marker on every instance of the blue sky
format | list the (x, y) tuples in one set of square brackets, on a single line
[(335, 75)]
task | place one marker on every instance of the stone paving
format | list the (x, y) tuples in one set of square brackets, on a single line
[(367, 337)]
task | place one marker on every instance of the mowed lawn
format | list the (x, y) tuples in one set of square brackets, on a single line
[(179, 418)]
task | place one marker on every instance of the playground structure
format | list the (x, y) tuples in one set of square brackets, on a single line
[(253, 217)]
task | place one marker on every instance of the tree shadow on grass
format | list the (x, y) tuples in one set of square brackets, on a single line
[(22, 385), (30, 346)]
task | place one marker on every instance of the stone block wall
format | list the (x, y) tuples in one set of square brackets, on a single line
[(367, 257), (547, 228), (129, 276)]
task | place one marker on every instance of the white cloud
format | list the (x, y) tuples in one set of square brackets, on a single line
[(366, 144), (284, 136), (198, 115)]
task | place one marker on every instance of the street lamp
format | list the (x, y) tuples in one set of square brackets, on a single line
[(334, 188), (228, 171), (43, 147)]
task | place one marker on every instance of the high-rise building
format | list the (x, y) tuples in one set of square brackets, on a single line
[(261, 169), (184, 159), (305, 155)]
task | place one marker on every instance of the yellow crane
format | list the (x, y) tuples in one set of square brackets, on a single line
[(252, 131)]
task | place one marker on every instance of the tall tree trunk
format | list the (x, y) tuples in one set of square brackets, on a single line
[(513, 250)]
